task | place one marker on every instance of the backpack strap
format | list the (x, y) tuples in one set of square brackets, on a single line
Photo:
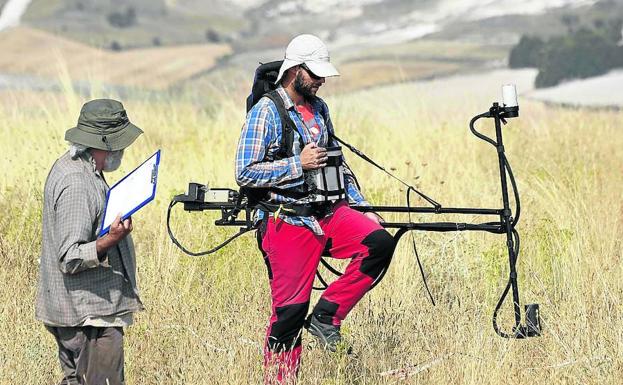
[(325, 119), (287, 126), (257, 196)]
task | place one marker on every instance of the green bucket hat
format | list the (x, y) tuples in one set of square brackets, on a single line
[(103, 124)]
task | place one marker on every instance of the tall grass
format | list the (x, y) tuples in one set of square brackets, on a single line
[(206, 317)]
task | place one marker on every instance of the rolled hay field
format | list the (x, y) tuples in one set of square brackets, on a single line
[(205, 317)]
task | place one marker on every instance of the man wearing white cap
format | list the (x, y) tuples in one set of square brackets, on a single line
[(311, 51), (276, 158)]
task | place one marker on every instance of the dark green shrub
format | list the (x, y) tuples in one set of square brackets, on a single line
[(122, 19), (115, 46), (581, 54), (526, 53)]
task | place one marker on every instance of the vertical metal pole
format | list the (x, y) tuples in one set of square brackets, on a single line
[(506, 217)]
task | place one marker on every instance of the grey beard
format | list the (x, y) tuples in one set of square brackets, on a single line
[(76, 150), (113, 161)]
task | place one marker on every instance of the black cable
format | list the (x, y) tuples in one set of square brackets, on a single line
[(507, 168), (515, 190), (330, 268), (497, 329), (320, 278), (417, 256), (505, 293), (507, 165), (322, 281), (478, 134), (200, 253)]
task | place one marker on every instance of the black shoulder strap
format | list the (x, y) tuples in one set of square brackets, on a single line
[(323, 113), (325, 119), (288, 126)]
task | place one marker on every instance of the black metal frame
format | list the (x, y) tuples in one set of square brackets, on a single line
[(194, 201)]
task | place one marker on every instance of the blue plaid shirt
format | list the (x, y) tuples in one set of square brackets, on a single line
[(259, 143)]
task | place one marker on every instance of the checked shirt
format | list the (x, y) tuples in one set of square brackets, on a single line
[(259, 143), (74, 286)]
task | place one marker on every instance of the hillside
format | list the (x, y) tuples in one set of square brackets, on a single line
[(139, 23), (261, 24), (34, 52), (374, 42)]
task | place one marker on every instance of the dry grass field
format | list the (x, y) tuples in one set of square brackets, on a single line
[(35, 52), (205, 317)]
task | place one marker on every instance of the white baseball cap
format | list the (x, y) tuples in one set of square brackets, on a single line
[(310, 50)]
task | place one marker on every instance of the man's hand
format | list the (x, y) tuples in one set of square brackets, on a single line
[(118, 230), (374, 217), (313, 157)]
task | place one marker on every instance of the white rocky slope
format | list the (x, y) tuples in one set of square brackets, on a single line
[(12, 13)]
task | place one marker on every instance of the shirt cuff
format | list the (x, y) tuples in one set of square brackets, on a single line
[(89, 252)]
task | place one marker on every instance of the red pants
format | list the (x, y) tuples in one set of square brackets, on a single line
[(292, 254)]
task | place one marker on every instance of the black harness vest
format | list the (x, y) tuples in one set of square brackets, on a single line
[(258, 197)]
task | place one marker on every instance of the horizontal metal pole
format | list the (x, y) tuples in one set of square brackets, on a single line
[(433, 226), (445, 226), (380, 209), (220, 222), (429, 210)]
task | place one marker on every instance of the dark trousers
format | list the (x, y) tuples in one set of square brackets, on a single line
[(90, 355)]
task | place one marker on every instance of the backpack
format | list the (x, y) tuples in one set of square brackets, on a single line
[(263, 82), (264, 85)]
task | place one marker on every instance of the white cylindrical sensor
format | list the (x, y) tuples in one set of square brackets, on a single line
[(509, 95)]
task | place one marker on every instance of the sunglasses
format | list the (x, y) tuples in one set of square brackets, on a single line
[(311, 74)]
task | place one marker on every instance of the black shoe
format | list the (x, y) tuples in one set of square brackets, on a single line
[(328, 335)]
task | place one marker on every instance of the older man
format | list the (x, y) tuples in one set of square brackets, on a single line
[(297, 226), (87, 284)]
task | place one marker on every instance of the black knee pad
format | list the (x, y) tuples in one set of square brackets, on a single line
[(285, 332), (381, 247), (325, 311)]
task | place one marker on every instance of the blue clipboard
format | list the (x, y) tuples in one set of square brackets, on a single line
[(152, 176)]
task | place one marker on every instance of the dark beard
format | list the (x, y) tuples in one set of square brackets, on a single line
[(304, 89)]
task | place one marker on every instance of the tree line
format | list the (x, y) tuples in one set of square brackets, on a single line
[(584, 52)]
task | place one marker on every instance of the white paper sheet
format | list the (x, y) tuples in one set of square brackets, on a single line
[(132, 192)]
